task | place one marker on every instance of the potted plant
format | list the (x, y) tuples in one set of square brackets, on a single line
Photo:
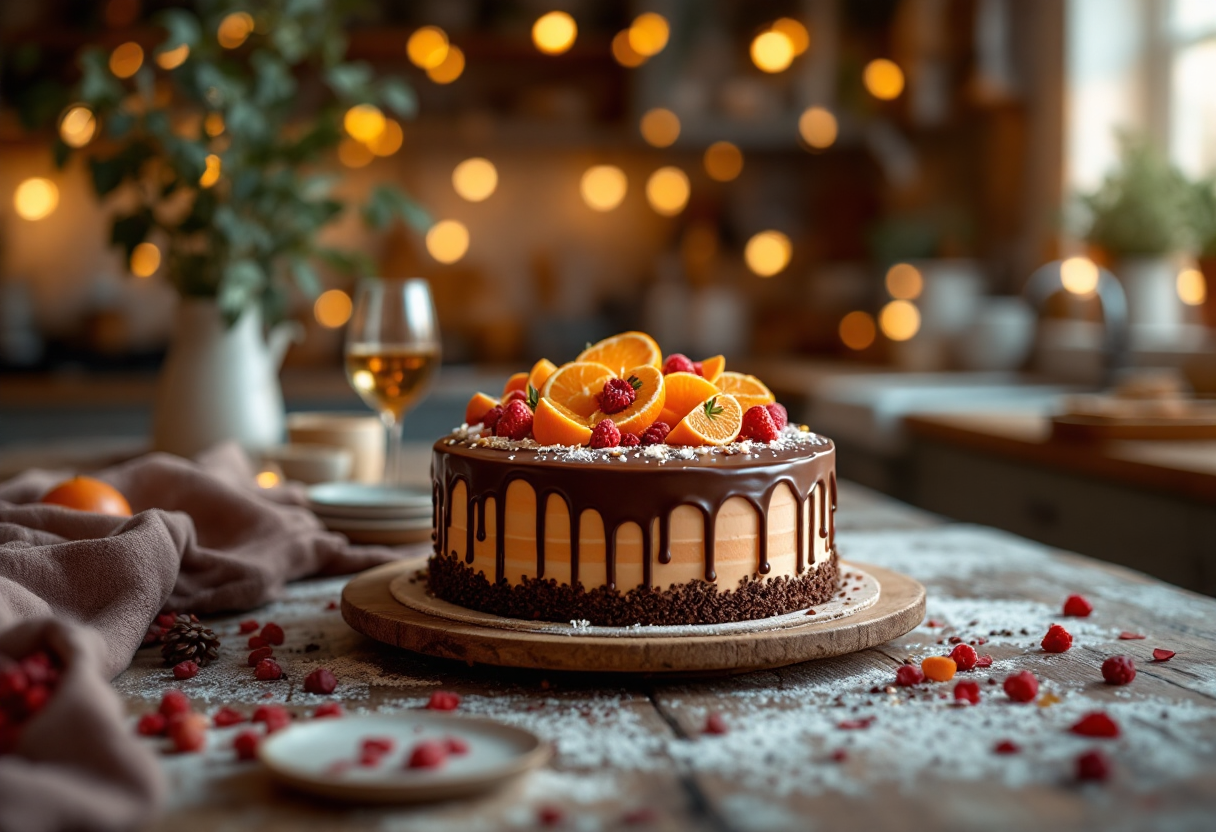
[(210, 146)]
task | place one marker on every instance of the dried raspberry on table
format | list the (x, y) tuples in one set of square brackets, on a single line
[(516, 421), (185, 670), (964, 656), (618, 394), (1077, 606), (1096, 724), (226, 717), (630, 440), (1007, 747), (257, 642), (443, 700), (605, 435), (152, 725), (174, 702), (781, 417), (329, 709), (188, 732), (1160, 654), (188, 640), (275, 717), (656, 433), (427, 754), (248, 626), (273, 634), (758, 425), (967, 691), (268, 670), (320, 681), (1093, 765), (259, 654), (1022, 686), (1118, 670), (679, 363), (1057, 639), (907, 675), (246, 745), (455, 745), (716, 724)]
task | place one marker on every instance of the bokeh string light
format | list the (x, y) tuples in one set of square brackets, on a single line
[(883, 79), (234, 30), (451, 68), (772, 51), (364, 122), (603, 187), (427, 47), (623, 51), (447, 241), (857, 330), (354, 154), (648, 34), (126, 59), (768, 253), (818, 128), (667, 191), (554, 33), (211, 171), (389, 140), (660, 127), (899, 320), (145, 260), (35, 198), (332, 308), (904, 281), (172, 58), (723, 161), (1192, 287), (796, 31), (78, 126), (475, 179), (1079, 276)]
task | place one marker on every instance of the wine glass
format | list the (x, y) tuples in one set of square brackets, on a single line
[(392, 354)]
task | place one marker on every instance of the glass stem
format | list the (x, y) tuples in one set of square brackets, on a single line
[(393, 473)]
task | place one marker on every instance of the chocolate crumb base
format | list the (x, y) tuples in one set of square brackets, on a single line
[(696, 602)]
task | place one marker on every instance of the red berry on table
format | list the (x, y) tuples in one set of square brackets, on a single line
[(758, 425), (427, 754), (1096, 724), (781, 417), (259, 654), (166, 620), (489, 419), (1093, 765), (630, 440), (275, 717), (617, 395), (1022, 686), (185, 670), (967, 691), (678, 363), (516, 421), (273, 634), (1077, 606), (715, 724), (174, 702), (443, 700), (328, 709), (246, 745), (268, 670), (377, 745), (907, 675), (964, 656), (248, 626), (188, 732), (1160, 654), (455, 745), (605, 434), (984, 661), (1006, 747), (321, 681), (152, 725), (1057, 639), (226, 717), (258, 642), (1118, 670), (1126, 636), (656, 433)]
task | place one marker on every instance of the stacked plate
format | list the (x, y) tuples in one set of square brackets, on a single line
[(373, 514)]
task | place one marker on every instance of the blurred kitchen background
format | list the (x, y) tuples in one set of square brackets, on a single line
[(930, 226)]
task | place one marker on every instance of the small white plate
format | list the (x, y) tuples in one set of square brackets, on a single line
[(321, 756), (371, 502)]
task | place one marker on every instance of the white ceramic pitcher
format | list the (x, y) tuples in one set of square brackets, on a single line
[(220, 382)]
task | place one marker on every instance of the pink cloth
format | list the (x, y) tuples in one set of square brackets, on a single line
[(204, 539)]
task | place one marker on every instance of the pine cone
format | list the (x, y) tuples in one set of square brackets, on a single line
[(188, 640)]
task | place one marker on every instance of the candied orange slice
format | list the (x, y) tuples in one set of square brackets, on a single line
[(575, 386), (553, 424), (624, 351), (684, 392), (715, 421), (477, 407), (749, 390), (519, 381), (648, 381), (711, 368), (541, 371)]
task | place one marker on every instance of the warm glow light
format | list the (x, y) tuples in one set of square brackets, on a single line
[(818, 127), (173, 58), (899, 320), (475, 179), (1079, 275), (234, 29), (145, 260), (904, 281), (213, 124), (78, 126), (624, 52), (354, 154), (35, 198), (364, 122), (667, 191), (451, 68), (554, 33), (427, 47), (660, 127), (857, 330), (772, 51), (1192, 288), (884, 79), (723, 161), (211, 174), (126, 59), (390, 139), (447, 241), (267, 479), (796, 32), (332, 308), (768, 253), (603, 187), (648, 34)]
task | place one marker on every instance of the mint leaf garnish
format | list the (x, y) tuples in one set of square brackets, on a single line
[(712, 409)]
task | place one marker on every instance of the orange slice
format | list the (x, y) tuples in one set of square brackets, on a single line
[(711, 368), (684, 392), (575, 386), (477, 407), (715, 421), (519, 382), (553, 424), (623, 352), (645, 410), (749, 390), (541, 371)]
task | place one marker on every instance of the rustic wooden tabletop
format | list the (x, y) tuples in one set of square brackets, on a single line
[(829, 744)]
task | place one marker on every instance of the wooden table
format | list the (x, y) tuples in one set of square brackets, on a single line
[(790, 761)]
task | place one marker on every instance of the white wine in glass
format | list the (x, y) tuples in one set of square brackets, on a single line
[(392, 354)]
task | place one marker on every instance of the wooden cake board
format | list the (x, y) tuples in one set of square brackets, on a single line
[(370, 608)]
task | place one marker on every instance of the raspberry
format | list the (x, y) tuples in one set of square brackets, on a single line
[(698, 368), (516, 421), (166, 620), (261, 653), (939, 668), (605, 435), (1007, 747), (258, 642), (174, 702), (249, 626), (715, 724), (1096, 724), (1118, 670), (152, 725), (550, 816), (1160, 654), (1057, 639), (967, 692), (275, 717), (268, 670), (1126, 636), (246, 745), (781, 417), (679, 363), (964, 656), (618, 394), (226, 717), (984, 661), (442, 700), (656, 433), (1077, 606), (185, 670), (455, 745), (377, 745), (428, 754), (321, 681), (758, 425), (630, 440), (908, 675), (1093, 765), (489, 419), (329, 709), (1022, 687), (273, 634), (515, 396), (188, 732)]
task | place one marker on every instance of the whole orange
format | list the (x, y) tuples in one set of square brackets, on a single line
[(88, 494)]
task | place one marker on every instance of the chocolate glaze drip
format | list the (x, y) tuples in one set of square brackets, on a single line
[(614, 489)]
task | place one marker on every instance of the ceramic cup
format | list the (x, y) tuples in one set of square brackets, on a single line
[(311, 464), (361, 434)]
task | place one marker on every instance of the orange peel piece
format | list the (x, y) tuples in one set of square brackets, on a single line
[(715, 421), (540, 373), (711, 368), (554, 424), (477, 407), (749, 390), (624, 352)]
